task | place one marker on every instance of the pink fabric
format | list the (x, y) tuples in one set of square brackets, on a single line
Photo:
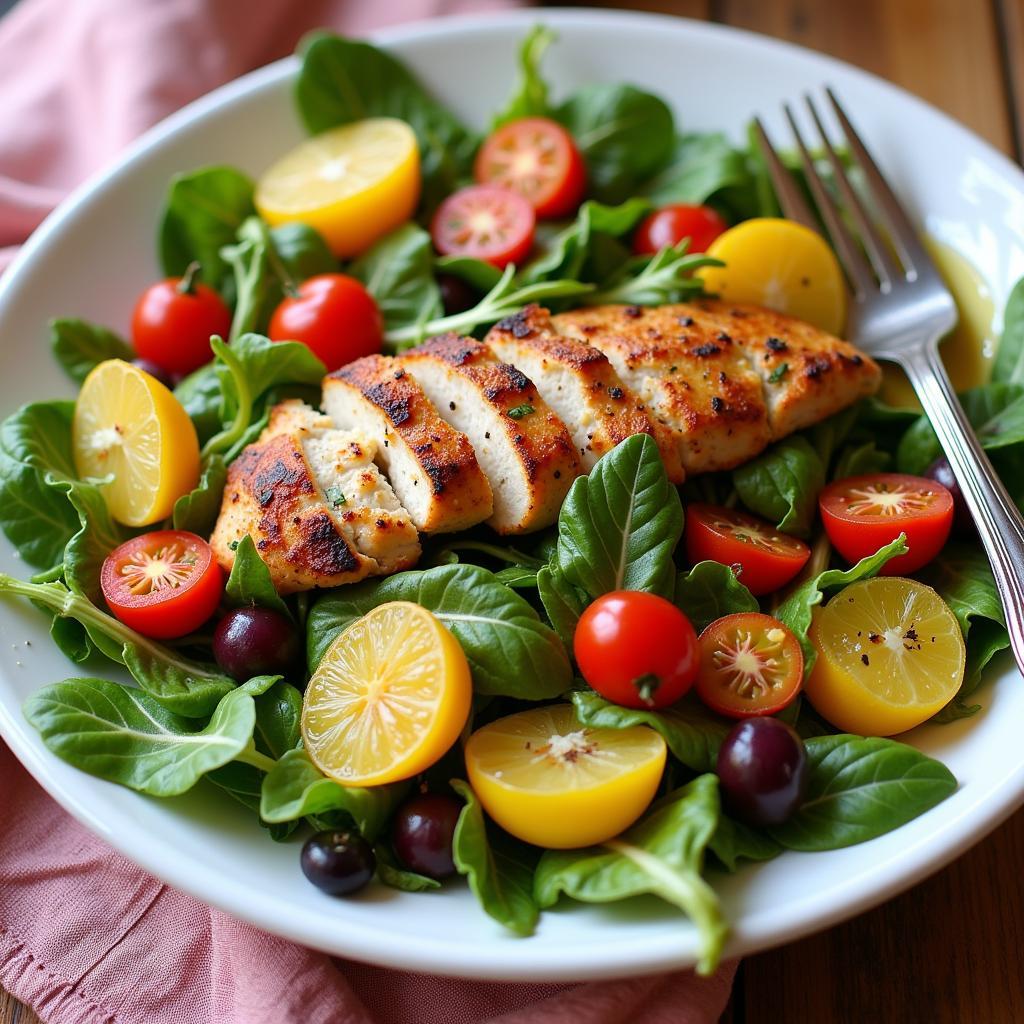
[(85, 936)]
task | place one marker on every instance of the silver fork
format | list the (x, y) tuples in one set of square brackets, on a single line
[(899, 311)]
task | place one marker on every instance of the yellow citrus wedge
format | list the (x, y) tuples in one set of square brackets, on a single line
[(128, 426), (782, 265), (389, 698), (554, 782), (353, 184), (890, 654)]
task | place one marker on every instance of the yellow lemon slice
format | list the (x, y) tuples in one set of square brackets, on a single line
[(128, 426), (353, 184), (890, 654), (389, 698), (552, 781), (782, 265)]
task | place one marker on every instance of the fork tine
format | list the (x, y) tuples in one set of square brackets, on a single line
[(881, 259), (904, 235), (791, 199), (857, 270)]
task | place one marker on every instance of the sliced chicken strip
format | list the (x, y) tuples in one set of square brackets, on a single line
[(579, 383), (524, 449), (430, 464), (316, 506)]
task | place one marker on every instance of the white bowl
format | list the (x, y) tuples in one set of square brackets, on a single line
[(97, 252)]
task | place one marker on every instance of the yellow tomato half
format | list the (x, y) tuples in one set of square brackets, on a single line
[(548, 779), (353, 184)]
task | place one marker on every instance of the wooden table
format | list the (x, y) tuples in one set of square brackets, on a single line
[(949, 950)]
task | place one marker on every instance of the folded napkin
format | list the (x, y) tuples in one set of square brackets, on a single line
[(86, 937)]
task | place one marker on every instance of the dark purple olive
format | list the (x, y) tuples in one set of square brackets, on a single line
[(255, 642), (148, 366), (942, 473), (762, 771), (422, 832), (338, 862), (456, 294)]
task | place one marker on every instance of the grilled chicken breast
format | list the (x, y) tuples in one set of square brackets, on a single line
[(524, 449), (725, 379), (578, 382), (314, 503), (431, 465)]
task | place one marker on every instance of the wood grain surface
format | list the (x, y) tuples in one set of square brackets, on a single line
[(949, 949)]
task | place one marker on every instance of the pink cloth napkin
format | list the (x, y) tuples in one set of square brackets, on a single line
[(86, 937)]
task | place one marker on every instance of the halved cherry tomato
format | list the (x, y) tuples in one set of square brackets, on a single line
[(485, 222), (671, 224), (750, 664), (537, 158), (636, 649), (764, 558), (334, 316), (173, 321), (863, 513), (163, 584)]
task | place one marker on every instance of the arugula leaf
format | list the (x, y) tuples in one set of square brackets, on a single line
[(702, 165), (125, 736), (480, 276), (510, 651), (663, 855), (343, 80), (1009, 364), (625, 135), (667, 276), (79, 346), (782, 485), (530, 98), (798, 608), (619, 526), (398, 272), (202, 212), (295, 788), (709, 591), (250, 583), (393, 875), (197, 511), (734, 841), (563, 602), (499, 869), (859, 788), (692, 733)]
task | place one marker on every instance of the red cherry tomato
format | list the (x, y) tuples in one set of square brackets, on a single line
[(334, 316), (750, 664), (764, 558), (863, 513), (163, 584), (173, 321), (537, 158), (485, 222), (671, 224), (636, 649)]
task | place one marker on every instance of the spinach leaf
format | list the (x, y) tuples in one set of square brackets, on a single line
[(663, 855), (201, 396), (301, 252), (1009, 364), (860, 460), (79, 346), (619, 526), (126, 736), (393, 875), (510, 651), (709, 591), (343, 80), (499, 869), (197, 511), (278, 714), (692, 733), (530, 98), (701, 166), (36, 517), (399, 273), (782, 485), (859, 788), (798, 608), (733, 841), (202, 212), (295, 788), (97, 536), (39, 435), (519, 577), (250, 583), (181, 685), (482, 277), (625, 135), (563, 602)]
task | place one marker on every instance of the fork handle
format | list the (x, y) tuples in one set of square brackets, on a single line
[(995, 515)]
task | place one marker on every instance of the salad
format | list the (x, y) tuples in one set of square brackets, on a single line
[(473, 621)]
